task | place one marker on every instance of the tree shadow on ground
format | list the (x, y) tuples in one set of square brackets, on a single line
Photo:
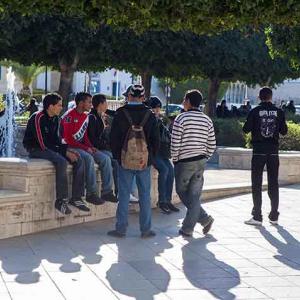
[(137, 271), (208, 272), (288, 250)]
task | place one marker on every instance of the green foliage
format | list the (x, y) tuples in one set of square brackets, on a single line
[(229, 132), (200, 16), (178, 89), (2, 103), (291, 142)]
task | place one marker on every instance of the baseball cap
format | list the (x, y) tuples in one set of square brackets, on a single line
[(137, 90), (154, 102), (125, 94)]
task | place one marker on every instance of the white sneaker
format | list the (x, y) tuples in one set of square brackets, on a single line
[(253, 222), (273, 222), (133, 199)]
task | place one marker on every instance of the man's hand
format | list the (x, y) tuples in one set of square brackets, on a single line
[(91, 150), (72, 155)]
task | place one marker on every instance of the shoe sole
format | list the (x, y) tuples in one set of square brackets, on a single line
[(207, 228), (253, 224), (273, 222), (182, 233), (84, 210)]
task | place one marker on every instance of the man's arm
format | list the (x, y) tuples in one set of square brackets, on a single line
[(94, 139), (155, 135), (283, 129), (211, 141), (176, 139), (116, 136), (248, 126)]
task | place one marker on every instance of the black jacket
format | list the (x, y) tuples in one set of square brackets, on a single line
[(121, 125), (99, 135), (42, 132), (266, 122), (165, 140)]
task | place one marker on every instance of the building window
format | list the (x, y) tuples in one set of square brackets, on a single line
[(95, 86), (114, 88)]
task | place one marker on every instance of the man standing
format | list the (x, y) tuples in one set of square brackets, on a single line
[(74, 125), (134, 141), (41, 140), (193, 142), (265, 122)]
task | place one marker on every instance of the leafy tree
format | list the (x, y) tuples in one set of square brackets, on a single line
[(66, 44), (199, 16), (285, 42)]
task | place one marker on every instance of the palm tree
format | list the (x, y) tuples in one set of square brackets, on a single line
[(26, 74)]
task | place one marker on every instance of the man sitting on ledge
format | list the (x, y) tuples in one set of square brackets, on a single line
[(41, 140), (75, 134)]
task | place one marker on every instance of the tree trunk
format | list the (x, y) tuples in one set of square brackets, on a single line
[(214, 85), (67, 71), (146, 82)]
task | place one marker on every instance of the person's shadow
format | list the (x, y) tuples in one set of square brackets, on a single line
[(25, 259), (289, 249), (208, 272), (137, 274)]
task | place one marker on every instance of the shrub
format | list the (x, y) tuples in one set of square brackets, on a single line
[(289, 142), (229, 132)]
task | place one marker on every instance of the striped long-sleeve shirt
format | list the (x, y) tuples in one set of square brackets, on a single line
[(192, 136)]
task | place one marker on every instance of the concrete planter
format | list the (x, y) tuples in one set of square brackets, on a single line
[(240, 158)]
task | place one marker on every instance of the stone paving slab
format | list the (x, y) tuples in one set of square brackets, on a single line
[(235, 261)]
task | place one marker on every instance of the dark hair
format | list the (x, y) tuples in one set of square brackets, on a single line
[(97, 99), (194, 96), (82, 96), (265, 93), (51, 99)]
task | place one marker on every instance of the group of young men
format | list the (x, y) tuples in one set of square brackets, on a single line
[(125, 143)]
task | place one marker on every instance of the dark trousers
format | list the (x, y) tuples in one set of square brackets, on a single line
[(60, 163), (258, 163)]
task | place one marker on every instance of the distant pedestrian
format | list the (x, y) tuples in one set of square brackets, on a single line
[(32, 107), (265, 122), (290, 108), (193, 142)]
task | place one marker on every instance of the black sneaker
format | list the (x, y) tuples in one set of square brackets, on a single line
[(173, 208), (110, 197), (164, 208), (62, 206), (185, 234), (116, 233), (207, 227), (94, 199), (148, 234), (78, 203)]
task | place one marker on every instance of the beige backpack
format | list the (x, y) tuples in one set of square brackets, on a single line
[(135, 153)]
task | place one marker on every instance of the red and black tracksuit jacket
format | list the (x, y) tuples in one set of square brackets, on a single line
[(42, 133)]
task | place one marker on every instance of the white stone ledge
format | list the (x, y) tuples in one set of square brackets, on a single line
[(240, 158)]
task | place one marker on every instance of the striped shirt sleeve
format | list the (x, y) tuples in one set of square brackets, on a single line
[(211, 141), (176, 140)]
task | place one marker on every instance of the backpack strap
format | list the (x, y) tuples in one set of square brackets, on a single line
[(126, 113), (146, 117)]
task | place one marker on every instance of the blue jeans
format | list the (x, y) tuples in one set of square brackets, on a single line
[(60, 163), (189, 183), (143, 181), (104, 162), (165, 178), (90, 173), (115, 169)]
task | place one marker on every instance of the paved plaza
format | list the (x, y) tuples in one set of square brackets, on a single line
[(234, 262)]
